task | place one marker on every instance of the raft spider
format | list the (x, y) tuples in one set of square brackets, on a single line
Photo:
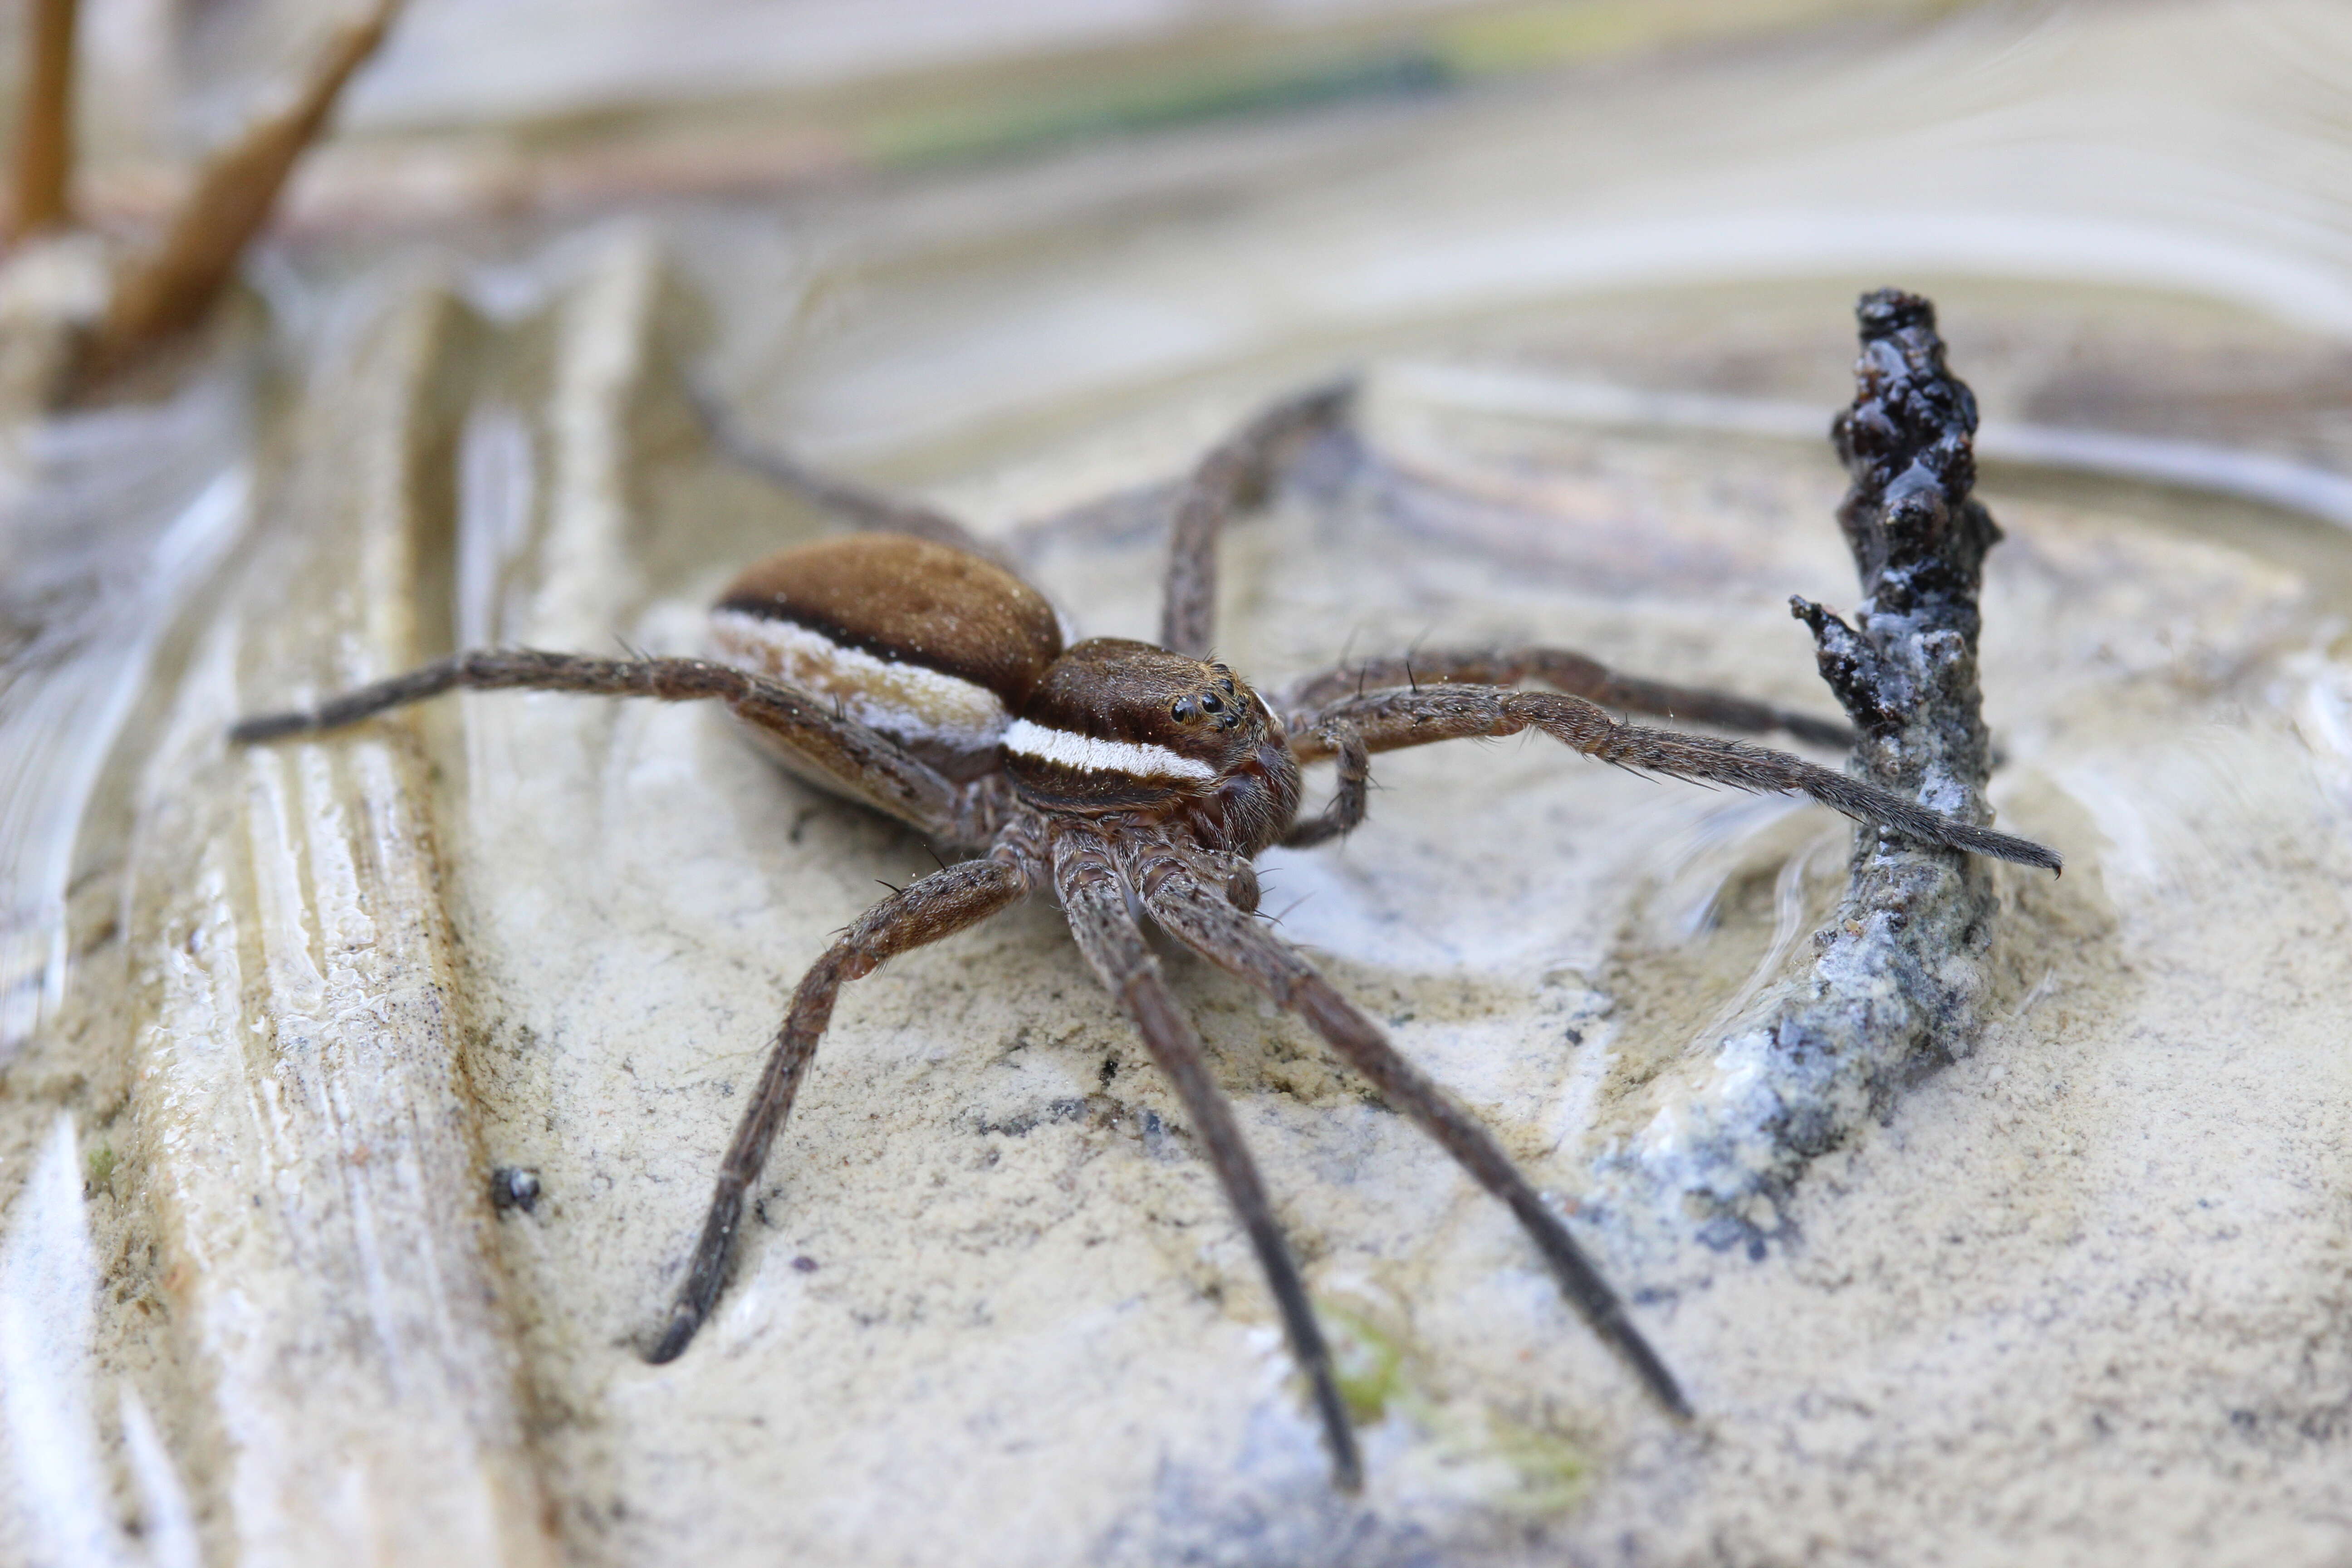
[(903, 668)]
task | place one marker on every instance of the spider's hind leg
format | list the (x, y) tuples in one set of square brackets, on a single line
[(936, 906), (873, 511), (858, 761)]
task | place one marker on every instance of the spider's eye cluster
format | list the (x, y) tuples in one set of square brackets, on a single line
[(1207, 702), (1221, 704)]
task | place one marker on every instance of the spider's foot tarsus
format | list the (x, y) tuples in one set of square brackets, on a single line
[(686, 1320), (1660, 1382), (270, 727), (2004, 847), (699, 1293), (1339, 1437)]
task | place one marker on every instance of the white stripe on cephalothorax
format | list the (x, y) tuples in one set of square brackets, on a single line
[(1089, 755), (911, 701)]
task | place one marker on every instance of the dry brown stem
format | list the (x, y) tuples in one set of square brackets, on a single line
[(170, 287), (45, 135)]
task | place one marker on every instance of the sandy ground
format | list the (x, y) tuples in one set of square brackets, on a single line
[(2079, 1295), (2081, 1298)]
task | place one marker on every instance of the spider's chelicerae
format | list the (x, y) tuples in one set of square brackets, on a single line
[(905, 668)]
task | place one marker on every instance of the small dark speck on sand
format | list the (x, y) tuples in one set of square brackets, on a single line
[(514, 1188)]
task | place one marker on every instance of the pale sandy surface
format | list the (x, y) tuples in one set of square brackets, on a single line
[(2081, 1298), (2083, 1290)]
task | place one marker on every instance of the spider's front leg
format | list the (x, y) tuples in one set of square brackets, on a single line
[(1233, 474), (1354, 727), (1563, 670), (851, 758), (1093, 892), (1190, 909), (936, 906)]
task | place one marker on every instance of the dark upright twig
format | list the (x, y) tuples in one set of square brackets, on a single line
[(1898, 977), (1906, 669)]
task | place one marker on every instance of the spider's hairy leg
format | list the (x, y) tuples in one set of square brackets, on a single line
[(1387, 721), (1232, 475), (872, 510), (870, 765), (1093, 896), (1193, 912), (1563, 670), (925, 911)]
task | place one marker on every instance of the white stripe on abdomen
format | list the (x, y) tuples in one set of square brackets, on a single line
[(911, 703)]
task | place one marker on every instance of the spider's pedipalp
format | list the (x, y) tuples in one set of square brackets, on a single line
[(1094, 896), (1351, 792), (1189, 910), (1391, 720), (925, 911)]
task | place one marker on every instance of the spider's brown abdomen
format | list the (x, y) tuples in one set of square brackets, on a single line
[(1124, 726), (932, 647)]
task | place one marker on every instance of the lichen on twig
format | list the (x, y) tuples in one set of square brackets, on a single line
[(1897, 978)]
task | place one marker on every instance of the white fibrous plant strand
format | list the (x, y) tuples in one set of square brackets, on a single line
[(48, 1290)]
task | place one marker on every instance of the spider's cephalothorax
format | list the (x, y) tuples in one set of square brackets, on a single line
[(1124, 729), (906, 670)]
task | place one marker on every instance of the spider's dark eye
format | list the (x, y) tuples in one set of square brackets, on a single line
[(1180, 709), (1209, 700)]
